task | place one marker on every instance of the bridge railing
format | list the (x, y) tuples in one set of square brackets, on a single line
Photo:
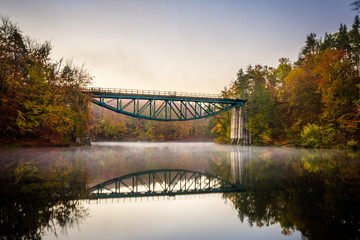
[(151, 92)]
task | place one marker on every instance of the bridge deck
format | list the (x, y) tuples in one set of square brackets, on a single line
[(152, 93)]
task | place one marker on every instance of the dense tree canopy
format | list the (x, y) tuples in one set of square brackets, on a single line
[(313, 102), (39, 98)]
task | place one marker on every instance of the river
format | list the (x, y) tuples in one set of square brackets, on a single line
[(290, 193)]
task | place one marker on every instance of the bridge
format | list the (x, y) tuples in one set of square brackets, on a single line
[(161, 105), (162, 182), (172, 106)]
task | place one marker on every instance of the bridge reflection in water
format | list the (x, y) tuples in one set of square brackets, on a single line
[(240, 156), (163, 182)]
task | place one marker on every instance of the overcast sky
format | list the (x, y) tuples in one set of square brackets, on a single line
[(183, 45)]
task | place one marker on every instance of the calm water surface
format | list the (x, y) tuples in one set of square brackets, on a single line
[(290, 193)]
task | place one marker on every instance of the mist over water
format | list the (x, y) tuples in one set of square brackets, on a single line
[(289, 192)]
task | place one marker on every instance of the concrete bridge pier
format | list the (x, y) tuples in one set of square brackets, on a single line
[(239, 132)]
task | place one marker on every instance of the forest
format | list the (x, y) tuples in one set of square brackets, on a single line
[(110, 126), (40, 99), (312, 102)]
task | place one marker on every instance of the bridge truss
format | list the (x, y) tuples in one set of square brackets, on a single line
[(163, 182), (161, 105)]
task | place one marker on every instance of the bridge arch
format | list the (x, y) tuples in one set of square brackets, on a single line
[(161, 105), (162, 182)]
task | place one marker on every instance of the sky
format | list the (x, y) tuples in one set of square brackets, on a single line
[(185, 46)]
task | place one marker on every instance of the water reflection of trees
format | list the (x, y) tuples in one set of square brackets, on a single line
[(35, 198), (314, 192)]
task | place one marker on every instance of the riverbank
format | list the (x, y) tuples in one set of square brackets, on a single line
[(12, 142)]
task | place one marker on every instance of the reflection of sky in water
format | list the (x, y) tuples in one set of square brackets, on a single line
[(314, 191), (186, 217)]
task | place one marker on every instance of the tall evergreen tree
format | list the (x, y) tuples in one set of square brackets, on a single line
[(342, 40), (311, 45), (355, 41), (242, 84), (328, 42)]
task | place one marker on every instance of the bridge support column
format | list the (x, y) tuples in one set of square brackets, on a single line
[(239, 132)]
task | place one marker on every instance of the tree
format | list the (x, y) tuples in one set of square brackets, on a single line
[(40, 99), (12, 74), (337, 83), (354, 35), (317, 99), (355, 5), (328, 42), (260, 85), (311, 46), (242, 84), (342, 39), (220, 124), (302, 101)]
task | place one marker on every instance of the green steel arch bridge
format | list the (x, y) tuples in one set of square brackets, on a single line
[(161, 105), (162, 182)]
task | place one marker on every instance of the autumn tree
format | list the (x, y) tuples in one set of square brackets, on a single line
[(40, 98), (13, 71), (337, 83), (220, 124)]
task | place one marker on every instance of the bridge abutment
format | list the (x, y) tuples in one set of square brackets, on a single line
[(239, 132)]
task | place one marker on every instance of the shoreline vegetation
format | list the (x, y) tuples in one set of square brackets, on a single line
[(40, 98), (313, 102)]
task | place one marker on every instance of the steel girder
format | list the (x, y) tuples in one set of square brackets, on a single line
[(164, 108), (163, 182)]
